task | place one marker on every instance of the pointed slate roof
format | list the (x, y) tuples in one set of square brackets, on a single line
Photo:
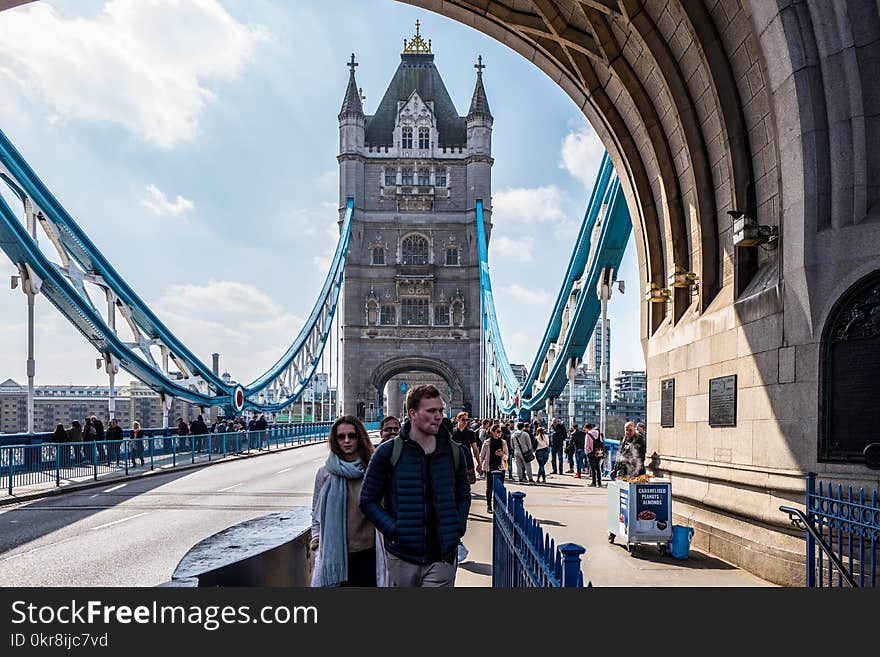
[(417, 72), (351, 104), (479, 103)]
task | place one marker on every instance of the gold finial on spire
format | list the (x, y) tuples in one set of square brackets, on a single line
[(417, 45)]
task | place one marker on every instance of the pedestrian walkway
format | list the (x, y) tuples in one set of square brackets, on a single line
[(572, 512)]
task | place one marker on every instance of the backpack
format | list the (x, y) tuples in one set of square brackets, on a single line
[(397, 449), (598, 446)]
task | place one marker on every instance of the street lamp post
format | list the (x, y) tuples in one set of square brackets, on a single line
[(603, 290)]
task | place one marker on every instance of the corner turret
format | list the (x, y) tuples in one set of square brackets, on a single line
[(351, 117)]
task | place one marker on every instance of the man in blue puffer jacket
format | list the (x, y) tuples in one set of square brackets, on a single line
[(421, 503)]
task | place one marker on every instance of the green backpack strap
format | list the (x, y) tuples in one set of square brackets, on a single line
[(397, 449)]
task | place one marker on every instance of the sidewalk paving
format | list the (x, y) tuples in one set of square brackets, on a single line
[(570, 511)]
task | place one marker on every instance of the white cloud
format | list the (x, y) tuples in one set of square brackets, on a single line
[(520, 249), (582, 154), (142, 64), (530, 296), (159, 203), (218, 299), (242, 323), (529, 205)]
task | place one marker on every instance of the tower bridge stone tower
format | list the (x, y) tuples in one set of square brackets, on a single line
[(411, 298)]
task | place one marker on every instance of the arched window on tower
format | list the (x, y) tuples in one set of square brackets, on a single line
[(390, 177), (424, 138), (424, 177), (378, 255), (452, 259), (407, 138), (414, 250), (407, 176), (441, 315), (389, 315)]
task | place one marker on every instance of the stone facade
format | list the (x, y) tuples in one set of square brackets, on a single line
[(411, 297)]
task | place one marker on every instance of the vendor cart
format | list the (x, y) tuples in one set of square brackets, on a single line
[(640, 513)]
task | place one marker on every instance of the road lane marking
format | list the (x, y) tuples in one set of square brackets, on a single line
[(91, 497), (284, 470), (116, 522), (110, 490), (229, 488)]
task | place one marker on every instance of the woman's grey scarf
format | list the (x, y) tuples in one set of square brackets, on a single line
[(334, 530)]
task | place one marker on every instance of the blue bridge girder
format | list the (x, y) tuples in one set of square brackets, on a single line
[(577, 307), (63, 284)]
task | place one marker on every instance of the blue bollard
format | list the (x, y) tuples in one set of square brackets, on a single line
[(680, 545)]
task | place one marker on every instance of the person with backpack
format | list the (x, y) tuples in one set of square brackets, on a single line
[(523, 453), (416, 493), (595, 447)]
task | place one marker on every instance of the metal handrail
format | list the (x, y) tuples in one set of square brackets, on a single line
[(799, 520)]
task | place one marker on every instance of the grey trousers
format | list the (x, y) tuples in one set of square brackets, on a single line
[(524, 469), (403, 574)]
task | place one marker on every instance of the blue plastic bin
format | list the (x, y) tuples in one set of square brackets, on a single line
[(680, 545)]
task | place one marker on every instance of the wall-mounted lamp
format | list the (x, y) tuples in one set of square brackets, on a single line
[(747, 231), (682, 278), (657, 294)]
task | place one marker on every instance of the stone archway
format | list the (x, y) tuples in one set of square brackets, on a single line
[(382, 374)]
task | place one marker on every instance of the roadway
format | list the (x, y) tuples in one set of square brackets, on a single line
[(134, 532)]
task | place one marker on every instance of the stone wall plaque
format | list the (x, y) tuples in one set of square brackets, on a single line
[(722, 401), (667, 403)]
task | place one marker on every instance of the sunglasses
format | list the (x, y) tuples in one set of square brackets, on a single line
[(341, 436), (391, 430)]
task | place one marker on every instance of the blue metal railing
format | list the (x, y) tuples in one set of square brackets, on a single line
[(39, 463), (523, 556), (843, 535)]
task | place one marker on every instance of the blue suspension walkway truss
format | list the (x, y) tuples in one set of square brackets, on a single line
[(577, 306), (155, 355)]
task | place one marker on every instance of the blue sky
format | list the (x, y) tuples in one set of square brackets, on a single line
[(195, 141)]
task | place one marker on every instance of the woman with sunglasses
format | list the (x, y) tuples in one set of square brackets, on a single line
[(342, 538), (389, 428), (493, 458)]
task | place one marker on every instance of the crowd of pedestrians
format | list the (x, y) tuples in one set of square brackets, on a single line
[(111, 445)]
